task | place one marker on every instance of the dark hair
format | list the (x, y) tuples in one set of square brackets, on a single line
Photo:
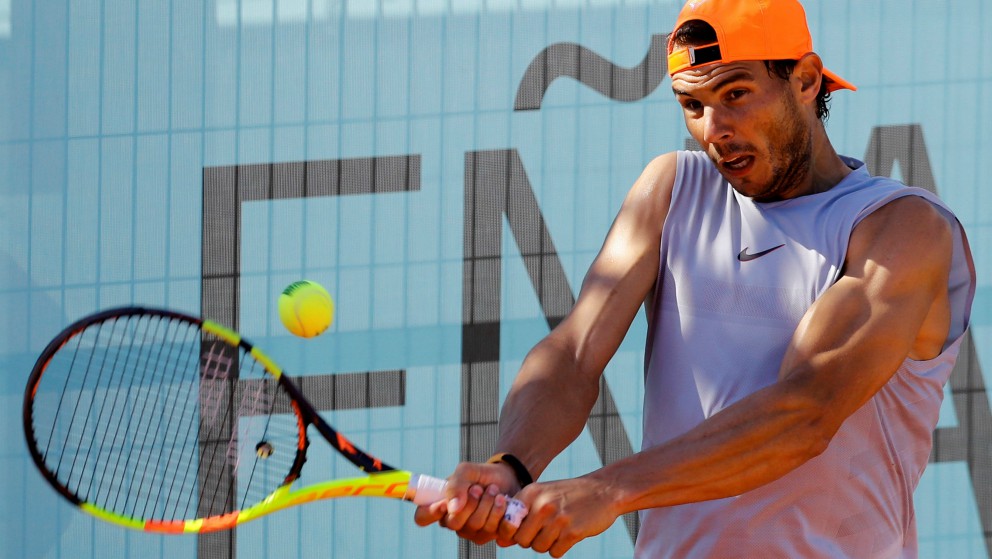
[(696, 33)]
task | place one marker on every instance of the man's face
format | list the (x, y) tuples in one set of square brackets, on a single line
[(750, 125)]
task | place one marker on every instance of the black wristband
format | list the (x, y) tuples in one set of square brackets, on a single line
[(519, 470)]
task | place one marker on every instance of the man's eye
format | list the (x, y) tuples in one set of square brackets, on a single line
[(736, 93), (691, 105)]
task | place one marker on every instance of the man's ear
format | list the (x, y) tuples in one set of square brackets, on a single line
[(807, 76)]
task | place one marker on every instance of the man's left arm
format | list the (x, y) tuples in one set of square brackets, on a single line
[(890, 304)]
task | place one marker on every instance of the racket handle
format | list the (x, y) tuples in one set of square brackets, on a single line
[(427, 490)]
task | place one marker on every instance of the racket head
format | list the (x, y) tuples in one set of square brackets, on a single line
[(159, 421)]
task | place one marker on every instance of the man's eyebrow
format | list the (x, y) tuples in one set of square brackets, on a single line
[(724, 82)]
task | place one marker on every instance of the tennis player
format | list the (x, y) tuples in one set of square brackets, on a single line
[(803, 317)]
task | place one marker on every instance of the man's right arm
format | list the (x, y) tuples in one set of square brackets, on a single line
[(558, 383)]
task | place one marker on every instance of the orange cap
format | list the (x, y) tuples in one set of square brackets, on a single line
[(748, 30)]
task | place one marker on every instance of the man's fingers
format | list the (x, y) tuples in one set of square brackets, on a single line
[(525, 535), (545, 538), (499, 510), (457, 518), (506, 534), (428, 514), (478, 519)]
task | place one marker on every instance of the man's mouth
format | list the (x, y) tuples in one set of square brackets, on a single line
[(738, 165)]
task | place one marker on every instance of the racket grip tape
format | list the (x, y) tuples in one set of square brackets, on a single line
[(427, 490)]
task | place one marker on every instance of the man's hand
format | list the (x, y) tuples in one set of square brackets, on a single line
[(561, 514), (476, 501)]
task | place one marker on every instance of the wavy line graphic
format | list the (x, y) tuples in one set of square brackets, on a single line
[(572, 60)]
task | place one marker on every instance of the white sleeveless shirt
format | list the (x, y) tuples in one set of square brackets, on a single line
[(736, 278)]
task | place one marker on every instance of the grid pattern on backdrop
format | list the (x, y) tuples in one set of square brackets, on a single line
[(127, 124)]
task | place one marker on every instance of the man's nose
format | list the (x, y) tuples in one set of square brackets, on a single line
[(717, 126)]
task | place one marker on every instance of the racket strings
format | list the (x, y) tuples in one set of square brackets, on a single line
[(142, 456), (258, 401), (171, 507), (136, 453), (178, 410), (116, 420), (216, 430), (145, 417), (75, 410), (174, 403), (100, 362)]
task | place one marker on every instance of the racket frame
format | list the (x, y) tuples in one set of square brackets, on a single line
[(383, 480)]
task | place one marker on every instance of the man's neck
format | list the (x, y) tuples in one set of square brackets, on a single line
[(828, 168)]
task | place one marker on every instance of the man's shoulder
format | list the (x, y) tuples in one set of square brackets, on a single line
[(910, 212), (670, 170), (907, 227), (658, 175)]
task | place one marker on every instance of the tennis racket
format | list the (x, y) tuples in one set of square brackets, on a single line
[(162, 422)]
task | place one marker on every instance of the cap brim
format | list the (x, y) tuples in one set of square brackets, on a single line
[(835, 82)]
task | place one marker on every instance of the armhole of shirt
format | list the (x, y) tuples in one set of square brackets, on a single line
[(961, 317), (683, 161)]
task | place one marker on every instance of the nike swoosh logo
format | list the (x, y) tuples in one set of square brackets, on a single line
[(743, 256)]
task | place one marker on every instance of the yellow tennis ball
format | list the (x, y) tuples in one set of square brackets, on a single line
[(306, 308)]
